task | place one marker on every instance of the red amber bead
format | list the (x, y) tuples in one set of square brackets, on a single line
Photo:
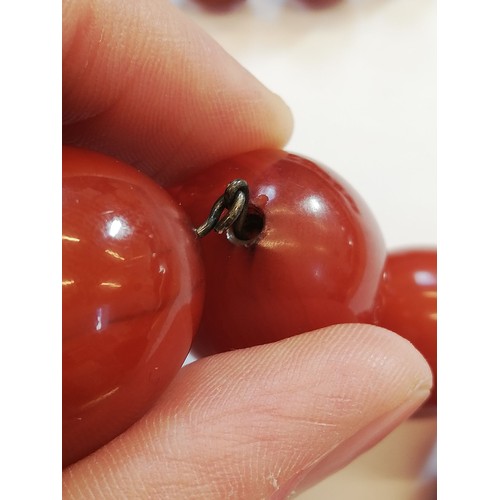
[(219, 5), (132, 291), (317, 261), (320, 4), (409, 302)]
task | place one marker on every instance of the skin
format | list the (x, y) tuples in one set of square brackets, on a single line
[(143, 83)]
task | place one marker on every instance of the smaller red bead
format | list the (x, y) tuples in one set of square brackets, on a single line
[(408, 301), (320, 4), (219, 5)]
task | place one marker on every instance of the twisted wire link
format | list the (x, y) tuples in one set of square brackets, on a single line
[(228, 211)]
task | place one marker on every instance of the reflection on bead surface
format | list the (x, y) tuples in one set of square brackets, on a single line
[(318, 260), (132, 296)]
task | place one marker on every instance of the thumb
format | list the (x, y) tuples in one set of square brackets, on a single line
[(143, 83), (262, 422)]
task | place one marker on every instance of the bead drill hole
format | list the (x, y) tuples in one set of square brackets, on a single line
[(252, 227)]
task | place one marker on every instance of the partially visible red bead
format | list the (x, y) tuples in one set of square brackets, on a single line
[(220, 5), (317, 261), (409, 302), (320, 4), (132, 297)]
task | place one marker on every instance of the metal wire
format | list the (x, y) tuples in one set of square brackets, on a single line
[(228, 211)]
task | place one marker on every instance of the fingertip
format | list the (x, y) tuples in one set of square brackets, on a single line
[(362, 352), (143, 83), (262, 421)]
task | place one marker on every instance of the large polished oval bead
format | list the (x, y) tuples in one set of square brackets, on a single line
[(317, 261)]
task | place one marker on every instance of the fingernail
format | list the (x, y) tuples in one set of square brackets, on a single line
[(350, 448)]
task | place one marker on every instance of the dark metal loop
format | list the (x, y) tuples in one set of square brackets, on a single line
[(238, 207), (232, 189), (235, 202), (212, 219)]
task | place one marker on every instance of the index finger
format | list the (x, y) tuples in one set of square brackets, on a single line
[(143, 83)]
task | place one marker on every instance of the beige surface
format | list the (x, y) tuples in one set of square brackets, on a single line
[(360, 78), (401, 467)]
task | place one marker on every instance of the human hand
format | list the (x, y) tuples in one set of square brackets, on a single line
[(142, 83)]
